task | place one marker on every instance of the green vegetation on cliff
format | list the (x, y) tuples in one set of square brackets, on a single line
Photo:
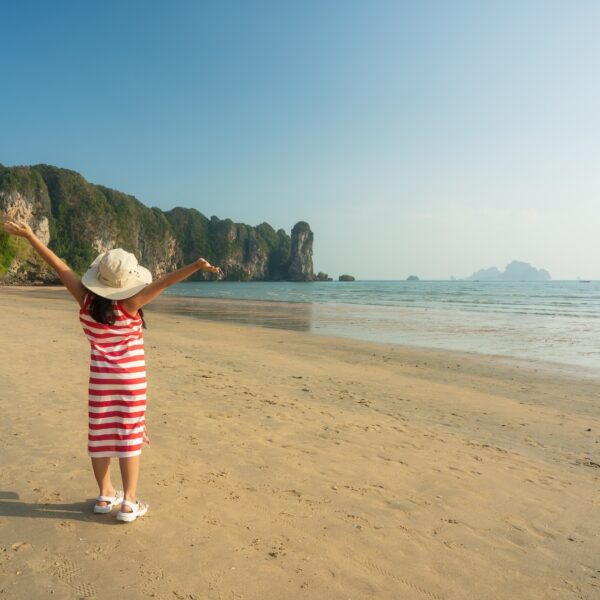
[(25, 181), (7, 253)]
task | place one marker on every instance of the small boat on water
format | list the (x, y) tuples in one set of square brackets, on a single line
[(585, 281)]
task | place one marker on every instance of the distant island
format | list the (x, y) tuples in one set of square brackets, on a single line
[(412, 278), (514, 271), (79, 220)]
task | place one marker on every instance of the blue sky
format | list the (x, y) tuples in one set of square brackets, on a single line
[(433, 138)]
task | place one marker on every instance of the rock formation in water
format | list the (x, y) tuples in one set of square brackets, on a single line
[(345, 278), (323, 277), (486, 274), (515, 271), (412, 278), (78, 220)]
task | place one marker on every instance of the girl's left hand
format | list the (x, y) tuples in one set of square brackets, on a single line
[(206, 266), (216, 270), (15, 228)]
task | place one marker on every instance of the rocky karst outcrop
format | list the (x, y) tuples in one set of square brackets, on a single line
[(301, 263), (79, 219), (321, 276)]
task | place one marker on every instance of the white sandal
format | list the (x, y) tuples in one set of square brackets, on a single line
[(112, 502), (138, 509)]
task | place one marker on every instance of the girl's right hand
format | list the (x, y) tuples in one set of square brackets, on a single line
[(15, 228), (204, 264)]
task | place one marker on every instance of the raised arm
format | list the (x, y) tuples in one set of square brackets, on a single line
[(154, 289), (68, 277)]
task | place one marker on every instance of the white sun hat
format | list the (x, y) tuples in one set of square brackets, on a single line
[(116, 275)]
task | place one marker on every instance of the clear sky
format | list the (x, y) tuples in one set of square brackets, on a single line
[(427, 138)]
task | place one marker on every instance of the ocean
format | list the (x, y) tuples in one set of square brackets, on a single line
[(556, 321)]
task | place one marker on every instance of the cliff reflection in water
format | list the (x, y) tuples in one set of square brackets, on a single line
[(297, 316)]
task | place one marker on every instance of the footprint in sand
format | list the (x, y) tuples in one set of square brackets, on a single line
[(540, 531), (534, 443), (394, 460), (151, 580), (371, 565), (20, 546), (68, 572), (358, 521), (278, 546)]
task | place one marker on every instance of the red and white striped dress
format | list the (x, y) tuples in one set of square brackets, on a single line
[(117, 385)]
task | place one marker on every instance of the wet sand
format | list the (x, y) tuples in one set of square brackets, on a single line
[(289, 465)]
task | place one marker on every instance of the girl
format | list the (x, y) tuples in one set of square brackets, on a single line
[(111, 295)]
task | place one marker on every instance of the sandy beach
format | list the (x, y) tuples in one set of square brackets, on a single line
[(287, 465)]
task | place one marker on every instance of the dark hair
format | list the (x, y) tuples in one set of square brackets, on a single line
[(102, 311)]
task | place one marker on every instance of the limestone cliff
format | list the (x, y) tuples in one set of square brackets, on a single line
[(79, 219), (301, 264)]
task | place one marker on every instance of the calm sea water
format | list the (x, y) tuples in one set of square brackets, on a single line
[(556, 320)]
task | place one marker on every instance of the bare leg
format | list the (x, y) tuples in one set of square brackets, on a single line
[(101, 466), (130, 471)]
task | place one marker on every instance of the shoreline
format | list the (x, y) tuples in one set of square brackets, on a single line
[(287, 465), (278, 315)]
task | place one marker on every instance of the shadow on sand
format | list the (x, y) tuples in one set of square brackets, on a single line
[(10, 506)]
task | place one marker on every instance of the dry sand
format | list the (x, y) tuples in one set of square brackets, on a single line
[(286, 465)]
